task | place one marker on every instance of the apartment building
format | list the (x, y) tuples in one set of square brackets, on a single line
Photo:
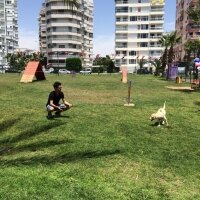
[(184, 27), (8, 28), (139, 26), (64, 34), (42, 31)]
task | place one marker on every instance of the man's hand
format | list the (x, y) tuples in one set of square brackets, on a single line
[(60, 109)]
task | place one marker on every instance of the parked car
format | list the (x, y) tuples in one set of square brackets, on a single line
[(50, 70), (12, 71), (143, 71), (86, 71), (64, 71)]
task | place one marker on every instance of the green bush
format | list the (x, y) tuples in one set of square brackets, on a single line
[(97, 69), (73, 64)]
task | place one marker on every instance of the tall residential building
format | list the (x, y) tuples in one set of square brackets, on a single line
[(65, 34), (42, 31), (184, 27), (8, 28), (139, 26)]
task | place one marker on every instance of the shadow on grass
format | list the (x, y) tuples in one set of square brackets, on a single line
[(65, 158), (30, 133), (197, 103), (7, 145), (57, 117), (5, 125), (8, 150)]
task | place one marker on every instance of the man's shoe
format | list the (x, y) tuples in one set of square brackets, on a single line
[(49, 116), (57, 114)]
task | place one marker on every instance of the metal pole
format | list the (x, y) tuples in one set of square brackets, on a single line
[(129, 92), (129, 104)]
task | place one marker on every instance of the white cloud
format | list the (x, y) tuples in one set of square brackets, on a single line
[(28, 39), (104, 45)]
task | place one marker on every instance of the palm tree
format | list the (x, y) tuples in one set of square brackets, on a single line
[(141, 62), (164, 41), (157, 64), (168, 41), (173, 40)]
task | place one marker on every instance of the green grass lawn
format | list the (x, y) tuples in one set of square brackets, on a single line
[(99, 149)]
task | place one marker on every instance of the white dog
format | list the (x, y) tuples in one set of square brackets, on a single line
[(160, 116)]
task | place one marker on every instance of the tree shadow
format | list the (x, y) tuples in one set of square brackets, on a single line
[(30, 133), (64, 158), (197, 103), (5, 125), (9, 150), (7, 145)]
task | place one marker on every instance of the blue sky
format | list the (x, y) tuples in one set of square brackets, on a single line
[(104, 23)]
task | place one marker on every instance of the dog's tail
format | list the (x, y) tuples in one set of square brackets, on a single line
[(164, 105)]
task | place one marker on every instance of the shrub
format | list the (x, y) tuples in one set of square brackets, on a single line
[(73, 64)]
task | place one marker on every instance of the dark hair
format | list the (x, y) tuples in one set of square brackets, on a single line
[(56, 84)]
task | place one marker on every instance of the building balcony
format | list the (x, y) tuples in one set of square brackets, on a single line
[(63, 33), (49, 25), (57, 16), (66, 40), (121, 2)]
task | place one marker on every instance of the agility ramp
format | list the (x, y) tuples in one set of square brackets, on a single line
[(32, 70)]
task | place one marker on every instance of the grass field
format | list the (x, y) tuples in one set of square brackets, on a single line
[(98, 150)]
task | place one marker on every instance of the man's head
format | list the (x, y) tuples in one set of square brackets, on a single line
[(57, 85)]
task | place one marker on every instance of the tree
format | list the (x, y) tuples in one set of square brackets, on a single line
[(164, 41), (111, 67), (192, 47), (173, 40), (158, 65), (168, 41), (194, 13), (141, 62), (73, 64), (19, 60)]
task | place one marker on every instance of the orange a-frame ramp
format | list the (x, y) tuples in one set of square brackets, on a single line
[(33, 69)]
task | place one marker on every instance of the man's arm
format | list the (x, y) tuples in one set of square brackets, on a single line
[(67, 103), (54, 106)]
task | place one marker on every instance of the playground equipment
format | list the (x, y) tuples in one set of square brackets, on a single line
[(124, 74), (129, 96), (33, 69)]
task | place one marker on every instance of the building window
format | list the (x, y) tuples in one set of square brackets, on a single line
[(132, 61), (132, 53), (143, 44), (133, 18)]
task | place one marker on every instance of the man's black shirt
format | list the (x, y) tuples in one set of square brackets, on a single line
[(55, 97)]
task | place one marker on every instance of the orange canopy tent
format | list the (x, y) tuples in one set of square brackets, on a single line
[(33, 69)]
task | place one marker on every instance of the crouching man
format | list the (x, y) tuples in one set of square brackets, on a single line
[(54, 99)]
